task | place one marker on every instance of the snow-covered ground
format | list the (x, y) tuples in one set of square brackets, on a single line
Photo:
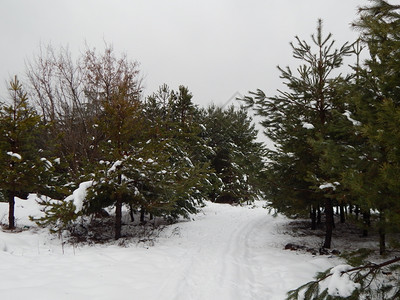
[(225, 253)]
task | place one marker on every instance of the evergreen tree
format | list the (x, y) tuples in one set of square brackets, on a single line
[(182, 107), (235, 155), (294, 120), (157, 109), (172, 116), (120, 124), (375, 98), (149, 161), (22, 164), (368, 159)]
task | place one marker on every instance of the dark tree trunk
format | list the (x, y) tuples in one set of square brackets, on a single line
[(328, 223), (313, 215), (357, 211), (11, 206), (131, 213), (382, 241), (342, 214), (118, 212), (142, 214), (367, 223), (118, 218), (382, 235)]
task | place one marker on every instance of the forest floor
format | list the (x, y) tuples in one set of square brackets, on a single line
[(225, 252)]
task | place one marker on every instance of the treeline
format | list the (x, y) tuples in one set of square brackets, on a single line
[(337, 142), (84, 125), (337, 136)]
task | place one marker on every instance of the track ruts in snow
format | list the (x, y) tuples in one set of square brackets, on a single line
[(218, 263)]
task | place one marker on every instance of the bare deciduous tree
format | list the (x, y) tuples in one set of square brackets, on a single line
[(70, 94)]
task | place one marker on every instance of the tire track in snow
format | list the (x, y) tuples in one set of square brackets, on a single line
[(239, 266), (218, 263)]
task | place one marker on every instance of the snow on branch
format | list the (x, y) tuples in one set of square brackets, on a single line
[(345, 281), (16, 155)]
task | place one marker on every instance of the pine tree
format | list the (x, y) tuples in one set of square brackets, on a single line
[(369, 163), (375, 98), (149, 157), (294, 120), (172, 116), (22, 164), (236, 156), (120, 124)]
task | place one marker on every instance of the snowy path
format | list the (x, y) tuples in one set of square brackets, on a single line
[(218, 264), (227, 253), (234, 253)]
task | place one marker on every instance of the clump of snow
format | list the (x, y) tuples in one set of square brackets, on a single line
[(79, 195), (308, 125), (47, 163), (16, 155), (328, 185), (340, 283), (347, 114), (187, 159), (114, 166)]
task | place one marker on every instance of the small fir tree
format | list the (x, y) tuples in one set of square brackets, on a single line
[(23, 166)]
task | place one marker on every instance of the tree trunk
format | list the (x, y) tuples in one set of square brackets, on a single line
[(118, 211), (382, 235), (342, 214), (367, 223), (328, 223), (313, 215), (382, 242), (118, 218), (11, 206), (142, 214), (131, 213)]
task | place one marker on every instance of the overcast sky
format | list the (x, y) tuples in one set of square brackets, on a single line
[(217, 48)]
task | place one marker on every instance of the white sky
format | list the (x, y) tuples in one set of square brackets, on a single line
[(215, 47)]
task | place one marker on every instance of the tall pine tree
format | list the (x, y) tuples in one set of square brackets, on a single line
[(375, 98), (296, 118)]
